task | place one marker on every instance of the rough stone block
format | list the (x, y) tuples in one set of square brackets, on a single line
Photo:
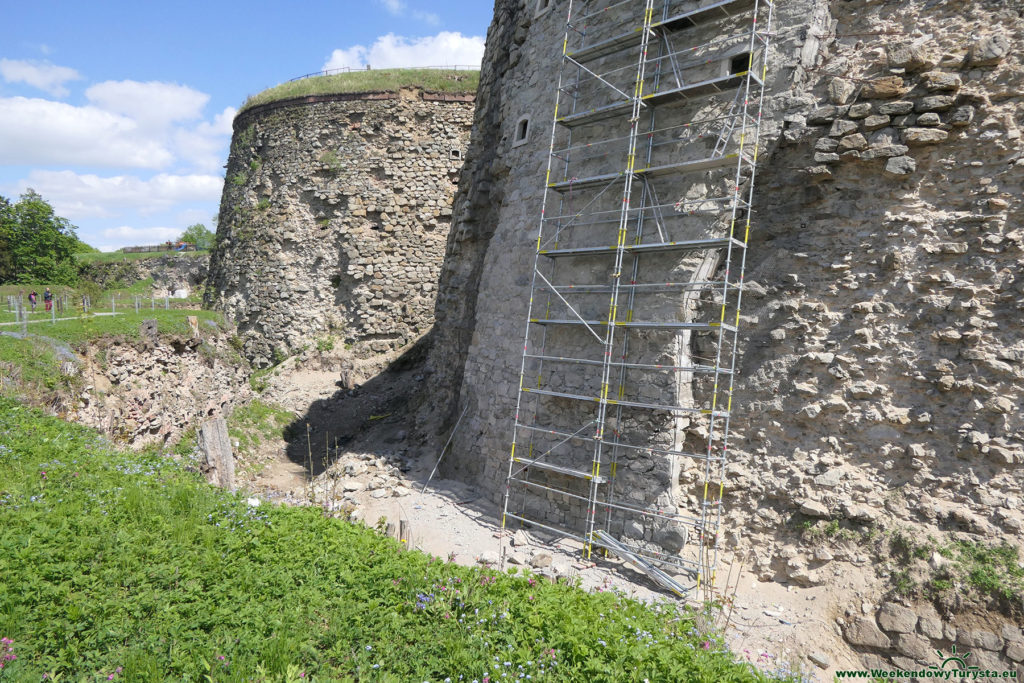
[(929, 119), (900, 166), (1015, 652), (893, 617), (813, 508), (842, 127), (864, 631), (934, 103), (215, 444), (924, 136), (988, 50), (897, 108), (962, 116), (930, 627), (883, 151), (909, 56), (914, 646), (983, 639), (941, 81), (884, 87), (821, 116), (854, 141), (840, 90), (859, 110), (826, 145), (876, 121)]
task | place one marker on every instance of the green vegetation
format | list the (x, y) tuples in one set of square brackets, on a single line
[(36, 245), (255, 422), (31, 369), (971, 569), (120, 255), (83, 328), (378, 80), (199, 235), (129, 568)]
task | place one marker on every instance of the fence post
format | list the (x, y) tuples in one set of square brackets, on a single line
[(53, 315)]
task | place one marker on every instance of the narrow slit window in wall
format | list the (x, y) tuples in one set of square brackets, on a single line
[(522, 132)]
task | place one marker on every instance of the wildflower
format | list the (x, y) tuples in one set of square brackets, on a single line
[(706, 645)]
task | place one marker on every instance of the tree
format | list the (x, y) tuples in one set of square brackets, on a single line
[(199, 235), (36, 244)]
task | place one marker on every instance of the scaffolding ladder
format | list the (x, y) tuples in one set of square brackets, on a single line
[(621, 427)]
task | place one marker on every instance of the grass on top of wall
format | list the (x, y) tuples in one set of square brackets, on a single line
[(120, 256), (78, 328), (126, 567), (377, 80)]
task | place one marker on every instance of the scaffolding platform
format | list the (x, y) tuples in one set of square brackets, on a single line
[(702, 15), (651, 377), (692, 166)]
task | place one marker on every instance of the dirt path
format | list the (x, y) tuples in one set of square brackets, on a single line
[(777, 627)]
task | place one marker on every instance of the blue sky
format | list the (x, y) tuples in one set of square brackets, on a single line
[(119, 113)]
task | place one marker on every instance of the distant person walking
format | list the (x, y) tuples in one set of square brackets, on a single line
[(32, 298), (48, 298)]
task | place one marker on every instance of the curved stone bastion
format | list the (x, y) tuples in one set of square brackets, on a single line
[(334, 217)]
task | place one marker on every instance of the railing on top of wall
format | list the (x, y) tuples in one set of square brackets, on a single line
[(350, 69)]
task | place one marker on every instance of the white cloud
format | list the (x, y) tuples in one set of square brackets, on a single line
[(47, 77), (78, 196), (398, 8), (203, 146), (389, 51), (35, 131), (127, 235), (153, 104)]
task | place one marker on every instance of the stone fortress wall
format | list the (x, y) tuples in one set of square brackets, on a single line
[(882, 366), (334, 218)]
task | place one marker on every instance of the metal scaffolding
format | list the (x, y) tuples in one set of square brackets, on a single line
[(622, 419)]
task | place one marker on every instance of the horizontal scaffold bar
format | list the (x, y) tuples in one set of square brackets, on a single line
[(683, 92), (690, 166), (643, 448), (642, 325), (702, 15), (567, 471), (697, 369), (682, 245), (627, 404)]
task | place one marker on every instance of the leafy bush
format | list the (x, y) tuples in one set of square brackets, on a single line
[(129, 568)]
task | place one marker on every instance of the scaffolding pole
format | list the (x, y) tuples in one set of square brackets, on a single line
[(629, 356)]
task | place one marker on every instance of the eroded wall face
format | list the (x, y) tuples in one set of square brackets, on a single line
[(882, 358), (333, 222)]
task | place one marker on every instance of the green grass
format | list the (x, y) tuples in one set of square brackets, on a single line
[(29, 367), (116, 256), (121, 566), (125, 324), (435, 80), (255, 422)]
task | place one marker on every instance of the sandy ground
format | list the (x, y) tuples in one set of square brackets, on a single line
[(778, 627)]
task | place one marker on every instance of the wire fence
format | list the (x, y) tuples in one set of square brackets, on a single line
[(351, 69)]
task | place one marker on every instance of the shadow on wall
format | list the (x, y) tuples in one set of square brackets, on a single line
[(373, 417)]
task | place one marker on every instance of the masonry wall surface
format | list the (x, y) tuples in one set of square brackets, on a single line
[(333, 220), (882, 365)]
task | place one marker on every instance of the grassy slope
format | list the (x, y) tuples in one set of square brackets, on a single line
[(435, 80), (115, 256), (125, 566), (125, 324)]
